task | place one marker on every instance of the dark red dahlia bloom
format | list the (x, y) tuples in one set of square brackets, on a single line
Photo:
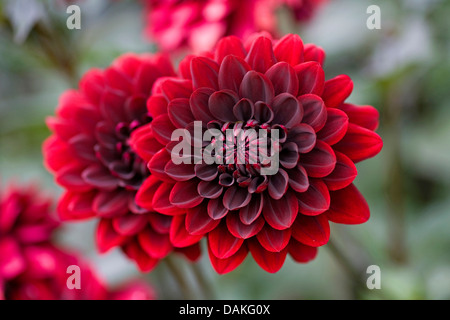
[(199, 24), (91, 157), (273, 86)]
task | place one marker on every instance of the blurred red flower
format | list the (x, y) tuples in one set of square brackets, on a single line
[(92, 159), (33, 268), (262, 84)]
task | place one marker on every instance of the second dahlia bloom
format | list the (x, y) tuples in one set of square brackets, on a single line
[(273, 86), (303, 10), (199, 24), (92, 159)]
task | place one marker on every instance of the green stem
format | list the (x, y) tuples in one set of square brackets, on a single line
[(204, 284), (179, 277)]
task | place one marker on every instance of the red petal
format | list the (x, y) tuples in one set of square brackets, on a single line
[(274, 240), (192, 253), (161, 202), (107, 237), (320, 162), (179, 111), (314, 53), (359, 143), (269, 261), (163, 128), (134, 251), (314, 111), (343, 174), (76, 206), (336, 90), (179, 172), (231, 73), (173, 88), (111, 204), (241, 230), (204, 73), (261, 56), (283, 78), (185, 195), (348, 206), (157, 105), (12, 263), (230, 45), (129, 224), (280, 214), (158, 163), (70, 177), (256, 87), (364, 116), (156, 245), (311, 231), (223, 266), (178, 234), (315, 200), (301, 253), (289, 49), (146, 192), (311, 78), (199, 104), (198, 222), (222, 243), (335, 127)]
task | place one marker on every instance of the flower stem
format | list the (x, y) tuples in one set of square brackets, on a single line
[(179, 277)]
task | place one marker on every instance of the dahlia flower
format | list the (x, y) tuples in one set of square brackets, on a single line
[(92, 159), (277, 88), (199, 24), (303, 10), (33, 268)]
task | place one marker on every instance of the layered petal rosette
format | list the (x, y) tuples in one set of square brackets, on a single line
[(92, 159), (276, 88)]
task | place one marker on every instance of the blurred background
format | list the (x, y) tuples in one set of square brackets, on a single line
[(403, 70)]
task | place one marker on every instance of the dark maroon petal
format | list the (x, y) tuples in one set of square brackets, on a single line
[(98, 176), (301, 253), (230, 45), (76, 206), (364, 116), (163, 128), (158, 163), (314, 53), (209, 189), (269, 261), (289, 49), (335, 127), (236, 197), (311, 231), (185, 195), (192, 253), (311, 78), (204, 73), (107, 237), (280, 214), (303, 136), (314, 111), (226, 180), (263, 113), (161, 200), (232, 71), (83, 147), (274, 240), (320, 162), (256, 87), (136, 107), (315, 200), (298, 179), (129, 224), (244, 110), (336, 90), (343, 174), (222, 243), (241, 230), (199, 104), (198, 222), (283, 78), (287, 110), (161, 223), (289, 155), (179, 236), (111, 107), (278, 184), (216, 209), (179, 172), (348, 206), (156, 245), (111, 203), (179, 111), (258, 184), (260, 56), (252, 211), (221, 105), (205, 171), (223, 266), (359, 143)]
